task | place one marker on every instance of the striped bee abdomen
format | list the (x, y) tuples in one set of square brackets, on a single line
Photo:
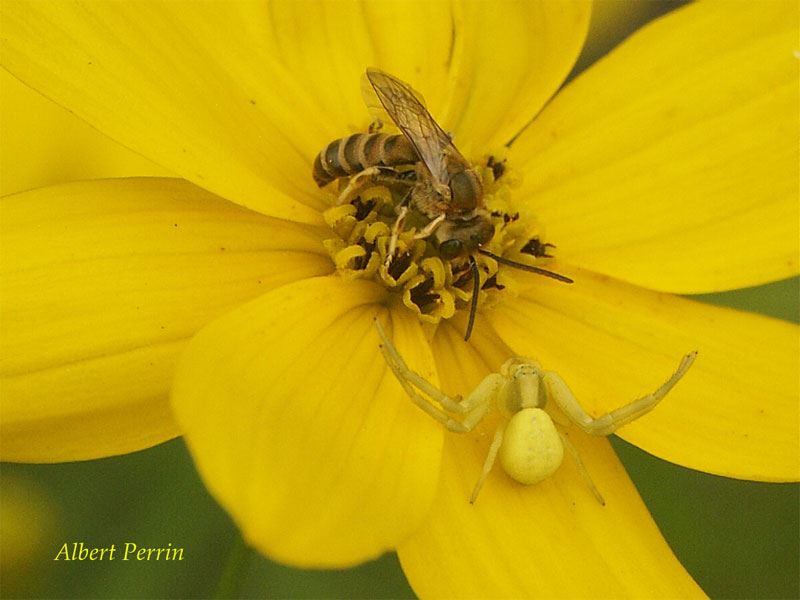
[(352, 154)]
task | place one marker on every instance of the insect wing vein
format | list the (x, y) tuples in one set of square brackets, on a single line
[(406, 108)]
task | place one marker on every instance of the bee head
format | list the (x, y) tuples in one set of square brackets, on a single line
[(458, 237)]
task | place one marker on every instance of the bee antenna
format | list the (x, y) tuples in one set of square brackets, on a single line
[(524, 267), (476, 288)]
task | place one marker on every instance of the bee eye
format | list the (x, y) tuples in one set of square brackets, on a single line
[(450, 248), (479, 238), (466, 189), (483, 234)]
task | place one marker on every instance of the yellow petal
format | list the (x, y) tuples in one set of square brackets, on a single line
[(484, 69), (509, 61), (190, 86), (550, 540), (735, 413), (326, 47), (33, 156), (102, 284), (673, 163), (301, 432)]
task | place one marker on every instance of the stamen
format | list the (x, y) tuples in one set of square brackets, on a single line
[(368, 242)]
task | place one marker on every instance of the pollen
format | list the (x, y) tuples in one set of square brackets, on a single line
[(426, 283)]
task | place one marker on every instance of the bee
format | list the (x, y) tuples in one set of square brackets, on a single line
[(448, 190), (444, 187), (422, 163)]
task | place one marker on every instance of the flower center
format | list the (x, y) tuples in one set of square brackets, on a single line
[(368, 243)]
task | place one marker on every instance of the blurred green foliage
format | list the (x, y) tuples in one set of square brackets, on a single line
[(152, 498)]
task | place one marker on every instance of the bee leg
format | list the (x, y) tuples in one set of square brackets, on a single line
[(357, 183), (402, 211), (430, 227), (375, 175), (396, 229)]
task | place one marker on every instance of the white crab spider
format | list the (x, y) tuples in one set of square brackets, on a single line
[(527, 442)]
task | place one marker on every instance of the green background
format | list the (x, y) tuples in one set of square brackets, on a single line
[(738, 539)]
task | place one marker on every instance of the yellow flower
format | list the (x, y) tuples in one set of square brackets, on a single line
[(669, 167)]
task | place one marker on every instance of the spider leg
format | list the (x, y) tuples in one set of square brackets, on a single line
[(474, 406), (582, 468), (491, 457), (608, 423)]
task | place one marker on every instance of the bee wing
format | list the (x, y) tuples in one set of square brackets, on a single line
[(375, 107), (406, 108)]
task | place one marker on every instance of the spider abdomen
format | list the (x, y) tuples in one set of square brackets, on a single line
[(532, 449)]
